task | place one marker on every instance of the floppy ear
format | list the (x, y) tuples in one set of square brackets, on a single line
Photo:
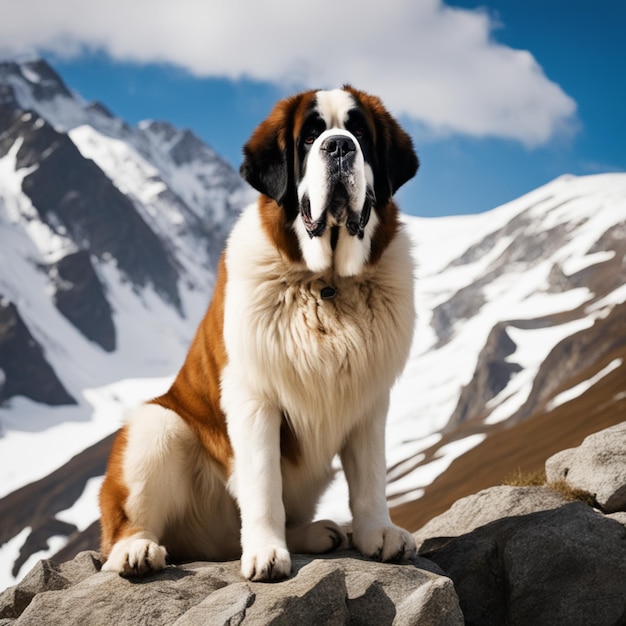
[(269, 154), (396, 159), (265, 161), (402, 162)]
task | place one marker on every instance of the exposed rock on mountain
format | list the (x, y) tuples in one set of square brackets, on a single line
[(329, 591), (516, 555), (23, 367), (529, 555), (597, 466), (493, 373), (80, 297)]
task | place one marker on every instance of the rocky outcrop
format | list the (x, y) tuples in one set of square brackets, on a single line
[(80, 297), (344, 589), (531, 555), (24, 369), (561, 566), (597, 466), (506, 555)]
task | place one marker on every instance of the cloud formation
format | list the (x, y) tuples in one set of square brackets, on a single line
[(438, 65)]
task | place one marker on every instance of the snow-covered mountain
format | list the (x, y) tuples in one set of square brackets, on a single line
[(109, 236)]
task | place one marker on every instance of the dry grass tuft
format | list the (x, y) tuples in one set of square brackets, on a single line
[(538, 479), (525, 479), (571, 493)]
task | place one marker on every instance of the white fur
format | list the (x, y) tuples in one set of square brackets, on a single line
[(351, 253), (175, 493), (329, 366), (315, 181)]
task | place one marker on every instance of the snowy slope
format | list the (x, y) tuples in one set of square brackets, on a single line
[(496, 294), (155, 166)]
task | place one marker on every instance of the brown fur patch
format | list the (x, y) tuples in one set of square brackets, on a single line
[(278, 229), (195, 393), (385, 231), (113, 496), (289, 444)]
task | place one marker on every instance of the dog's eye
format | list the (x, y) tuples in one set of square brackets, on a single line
[(359, 132), (310, 137)]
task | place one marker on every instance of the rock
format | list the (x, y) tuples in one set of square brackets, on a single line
[(46, 576), (564, 565), (24, 370), (620, 517), (335, 589), (597, 466), (80, 297), (487, 506)]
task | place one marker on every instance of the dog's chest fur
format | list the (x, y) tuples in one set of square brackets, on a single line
[(320, 360)]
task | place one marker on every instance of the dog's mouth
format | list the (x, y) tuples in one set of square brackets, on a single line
[(338, 212)]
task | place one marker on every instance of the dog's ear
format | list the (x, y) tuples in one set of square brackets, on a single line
[(269, 154), (396, 161), (401, 161), (265, 160)]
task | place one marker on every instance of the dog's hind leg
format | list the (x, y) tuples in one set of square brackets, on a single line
[(316, 538), (146, 487)]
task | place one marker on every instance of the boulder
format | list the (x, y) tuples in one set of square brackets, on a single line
[(335, 589), (562, 566), (487, 506), (597, 466), (531, 555)]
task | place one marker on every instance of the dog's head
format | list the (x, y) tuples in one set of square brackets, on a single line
[(330, 161)]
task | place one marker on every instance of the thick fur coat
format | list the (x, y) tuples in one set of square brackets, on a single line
[(310, 324)]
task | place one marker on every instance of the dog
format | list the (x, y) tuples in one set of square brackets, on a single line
[(310, 324)]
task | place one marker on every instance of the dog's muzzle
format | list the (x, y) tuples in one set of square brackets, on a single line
[(339, 152)]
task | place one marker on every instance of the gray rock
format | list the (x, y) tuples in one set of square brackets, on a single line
[(620, 517), (487, 506), (597, 466), (335, 589), (566, 565)]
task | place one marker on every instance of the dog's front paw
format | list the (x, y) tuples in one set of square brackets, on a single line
[(386, 543), (269, 563), (135, 556)]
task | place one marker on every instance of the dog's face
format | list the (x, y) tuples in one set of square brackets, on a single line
[(331, 161)]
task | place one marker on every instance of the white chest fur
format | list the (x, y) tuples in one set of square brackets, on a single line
[(324, 362)]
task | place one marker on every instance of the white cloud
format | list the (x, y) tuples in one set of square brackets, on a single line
[(436, 64)]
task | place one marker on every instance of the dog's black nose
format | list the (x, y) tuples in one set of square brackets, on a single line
[(338, 145)]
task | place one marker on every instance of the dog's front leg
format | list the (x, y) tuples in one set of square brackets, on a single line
[(363, 460), (254, 430)]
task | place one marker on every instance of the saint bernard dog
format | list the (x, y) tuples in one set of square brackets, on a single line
[(310, 324)]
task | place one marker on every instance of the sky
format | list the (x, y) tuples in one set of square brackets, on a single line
[(500, 97)]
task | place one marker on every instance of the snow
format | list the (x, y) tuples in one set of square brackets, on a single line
[(411, 486), (85, 510), (9, 552), (53, 435), (617, 296), (577, 264), (533, 346), (578, 390)]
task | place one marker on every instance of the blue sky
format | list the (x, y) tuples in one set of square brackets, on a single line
[(499, 96)]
